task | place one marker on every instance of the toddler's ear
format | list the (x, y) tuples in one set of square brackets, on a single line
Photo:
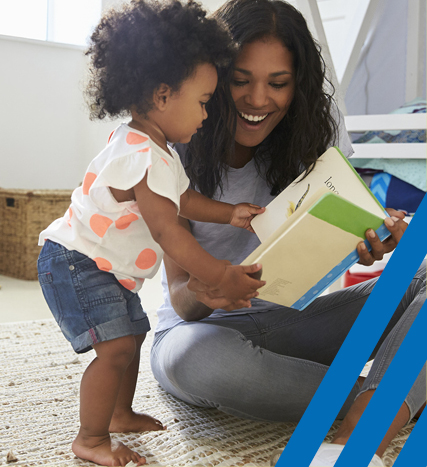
[(161, 96)]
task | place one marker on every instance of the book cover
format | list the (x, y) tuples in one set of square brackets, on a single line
[(332, 171), (304, 251)]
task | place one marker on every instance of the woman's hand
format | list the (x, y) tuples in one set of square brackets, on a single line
[(396, 225), (243, 213)]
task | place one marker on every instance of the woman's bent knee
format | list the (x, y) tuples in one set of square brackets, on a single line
[(194, 358)]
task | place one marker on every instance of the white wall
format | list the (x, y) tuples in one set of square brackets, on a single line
[(378, 85), (47, 138)]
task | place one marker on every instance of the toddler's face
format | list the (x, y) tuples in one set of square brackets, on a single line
[(186, 110)]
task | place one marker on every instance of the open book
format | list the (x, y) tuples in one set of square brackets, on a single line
[(309, 232)]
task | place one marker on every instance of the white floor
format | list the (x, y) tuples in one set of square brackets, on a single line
[(23, 300)]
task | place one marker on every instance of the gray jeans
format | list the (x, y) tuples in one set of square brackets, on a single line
[(267, 366)]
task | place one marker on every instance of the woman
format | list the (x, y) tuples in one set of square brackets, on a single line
[(260, 360)]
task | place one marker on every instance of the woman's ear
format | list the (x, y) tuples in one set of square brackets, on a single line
[(161, 96)]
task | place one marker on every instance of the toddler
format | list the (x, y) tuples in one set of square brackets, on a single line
[(156, 63)]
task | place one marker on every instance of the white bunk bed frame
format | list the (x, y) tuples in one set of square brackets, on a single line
[(358, 37), (362, 123)]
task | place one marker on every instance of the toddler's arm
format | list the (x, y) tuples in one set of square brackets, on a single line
[(197, 207), (161, 216)]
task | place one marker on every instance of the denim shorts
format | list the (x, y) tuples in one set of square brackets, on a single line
[(89, 305)]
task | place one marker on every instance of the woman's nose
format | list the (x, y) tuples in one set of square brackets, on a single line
[(257, 96)]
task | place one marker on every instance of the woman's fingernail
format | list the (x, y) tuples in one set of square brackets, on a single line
[(371, 233), (363, 247), (389, 222)]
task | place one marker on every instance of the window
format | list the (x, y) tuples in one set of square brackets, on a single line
[(66, 21)]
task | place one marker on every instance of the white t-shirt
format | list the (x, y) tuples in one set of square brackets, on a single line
[(114, 234), (227, 242)]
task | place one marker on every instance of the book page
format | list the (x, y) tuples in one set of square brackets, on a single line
[(333, 172), (290, 271)]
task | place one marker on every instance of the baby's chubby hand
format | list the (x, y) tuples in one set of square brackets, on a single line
[(238, 282), (242, 215)]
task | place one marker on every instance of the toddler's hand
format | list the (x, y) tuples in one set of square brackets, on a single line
[(237, 283), (242, 215)]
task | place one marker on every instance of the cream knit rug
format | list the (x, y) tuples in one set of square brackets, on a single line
[(39, 385)]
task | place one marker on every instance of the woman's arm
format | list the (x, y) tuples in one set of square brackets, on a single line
[(186, 302)]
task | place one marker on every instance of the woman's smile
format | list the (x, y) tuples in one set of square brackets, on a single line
[(252, 122), (253, 118)]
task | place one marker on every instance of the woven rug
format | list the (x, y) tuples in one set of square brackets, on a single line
[(39, 385)]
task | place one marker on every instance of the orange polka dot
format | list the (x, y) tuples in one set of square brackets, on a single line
[(99, 224), (103, 264), (165, 161), (146, 259), (135, 138), (128, 283), (125, 221), (90, 177), (70, 213), (109, 138), (144, 150)]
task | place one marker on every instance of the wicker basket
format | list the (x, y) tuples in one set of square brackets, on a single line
[(23, 215)]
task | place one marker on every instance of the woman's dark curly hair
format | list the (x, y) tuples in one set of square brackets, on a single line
[(146, 43), (307, 128)]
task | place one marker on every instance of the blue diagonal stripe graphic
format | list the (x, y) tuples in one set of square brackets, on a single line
[(414, 452), (359, 344), (388, 398)]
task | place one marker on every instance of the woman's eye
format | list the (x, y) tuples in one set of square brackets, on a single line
[(239, 82), (278, 85)]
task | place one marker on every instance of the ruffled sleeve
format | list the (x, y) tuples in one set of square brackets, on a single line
[(131, 158), (124, 172), (165, 179)]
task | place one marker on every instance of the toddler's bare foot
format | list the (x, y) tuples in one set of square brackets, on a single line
[(131, 421), (104, 451)]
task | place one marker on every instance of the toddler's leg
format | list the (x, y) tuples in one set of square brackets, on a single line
[(100, 387), (124, 418)]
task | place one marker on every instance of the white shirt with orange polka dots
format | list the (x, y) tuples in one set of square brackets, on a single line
[(114, 234)]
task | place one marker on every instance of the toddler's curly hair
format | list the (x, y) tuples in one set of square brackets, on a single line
[(145, 43)]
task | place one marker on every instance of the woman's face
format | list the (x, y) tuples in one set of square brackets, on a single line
[(262, 88)]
